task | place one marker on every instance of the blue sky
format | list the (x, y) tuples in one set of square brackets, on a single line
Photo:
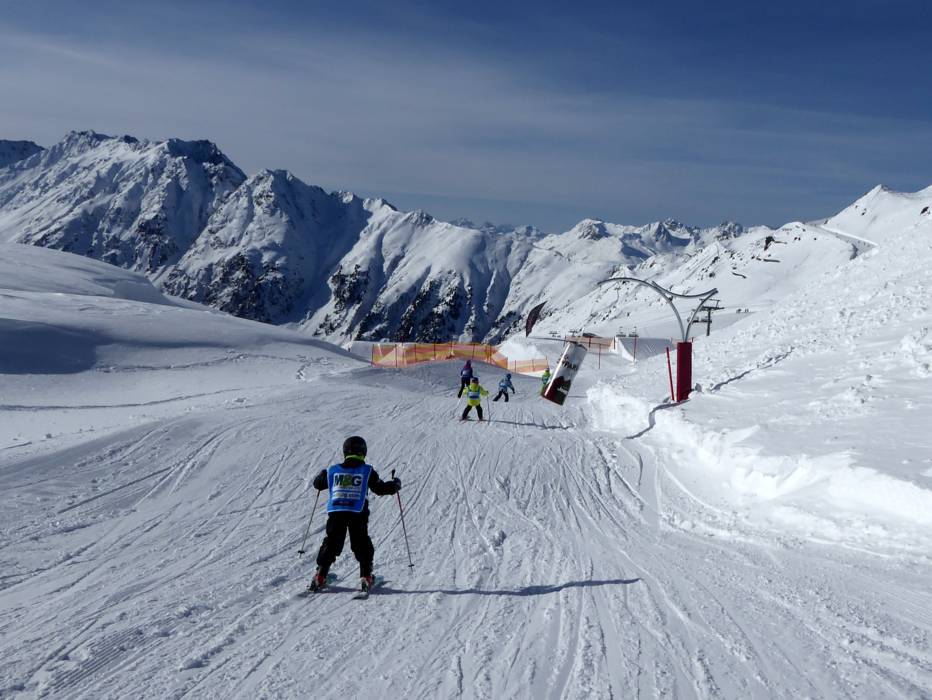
[(540, 113)]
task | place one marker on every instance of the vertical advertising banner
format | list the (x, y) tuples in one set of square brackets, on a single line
[(559, 387)]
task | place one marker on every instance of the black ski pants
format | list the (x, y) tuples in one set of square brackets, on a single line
[(338, 524), (464, 383), (466, 411), (500, 394)]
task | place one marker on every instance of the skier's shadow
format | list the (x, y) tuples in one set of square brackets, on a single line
[(531, 425), (526, 591)]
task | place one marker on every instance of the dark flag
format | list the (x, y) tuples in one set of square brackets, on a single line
[(532, 318)]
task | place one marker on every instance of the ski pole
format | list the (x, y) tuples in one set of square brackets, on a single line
[(403, 529), (301, 551)]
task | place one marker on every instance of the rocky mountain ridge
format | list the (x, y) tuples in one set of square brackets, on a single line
[(15, 151), (272, 248)]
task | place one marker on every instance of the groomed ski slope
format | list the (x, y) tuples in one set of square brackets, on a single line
[(549, 562)]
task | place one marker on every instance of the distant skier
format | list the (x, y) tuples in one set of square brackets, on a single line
[(465, 377), (544, 380), (474, 396), (503, 386), (348, 510)]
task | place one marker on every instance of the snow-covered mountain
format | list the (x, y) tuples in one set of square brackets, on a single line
[(15, 151), (272, 248), (135, 204), (275, 249)]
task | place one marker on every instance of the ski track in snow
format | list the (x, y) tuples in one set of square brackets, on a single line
[(550, 562), (547, 564)]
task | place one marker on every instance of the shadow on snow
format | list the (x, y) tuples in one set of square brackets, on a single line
[(531, 425), (526, 591)]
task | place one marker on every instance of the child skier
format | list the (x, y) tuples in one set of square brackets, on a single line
[(465, 377), (348, 510), (544, 380), (474, 396), (503, 386)]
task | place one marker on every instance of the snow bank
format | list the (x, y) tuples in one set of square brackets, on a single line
[(27, 268), (517, 348), (725, 465), (28, 347), (916, 351), (832, 480), (617, 412)]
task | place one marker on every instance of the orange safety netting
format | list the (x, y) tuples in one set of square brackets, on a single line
[(406, 354)]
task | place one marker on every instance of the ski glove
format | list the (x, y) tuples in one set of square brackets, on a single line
[(397, 482)]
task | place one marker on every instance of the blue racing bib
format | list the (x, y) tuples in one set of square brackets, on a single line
[(348, 487)]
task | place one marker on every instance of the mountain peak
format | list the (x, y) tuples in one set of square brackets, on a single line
[(658, 229), (15, 151), (78, 142), (419, 217), (83, 138), (200, 151), (346, 196), (272, 175), (590, 229), (375, 203), (729, 229), (498, 229)]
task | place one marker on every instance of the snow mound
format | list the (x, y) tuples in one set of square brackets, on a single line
[(29, 269), (29, 347), (833, 481), (81, 342), (822, 493), (916, 351), (518, 348)]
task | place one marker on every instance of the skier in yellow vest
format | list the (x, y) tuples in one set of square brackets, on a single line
[(544, 380), (474, 394)]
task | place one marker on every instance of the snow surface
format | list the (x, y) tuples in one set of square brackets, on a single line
[(769, 538)]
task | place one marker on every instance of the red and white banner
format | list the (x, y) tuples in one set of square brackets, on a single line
[(559, 387)]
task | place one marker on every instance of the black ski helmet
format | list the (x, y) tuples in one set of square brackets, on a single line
[(354, 446)]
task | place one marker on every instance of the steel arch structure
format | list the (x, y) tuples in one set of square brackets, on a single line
[(684, 348), (668, 297)]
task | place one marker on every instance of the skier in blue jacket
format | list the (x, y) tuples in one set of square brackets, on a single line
[(348, 510), (503, 386)]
